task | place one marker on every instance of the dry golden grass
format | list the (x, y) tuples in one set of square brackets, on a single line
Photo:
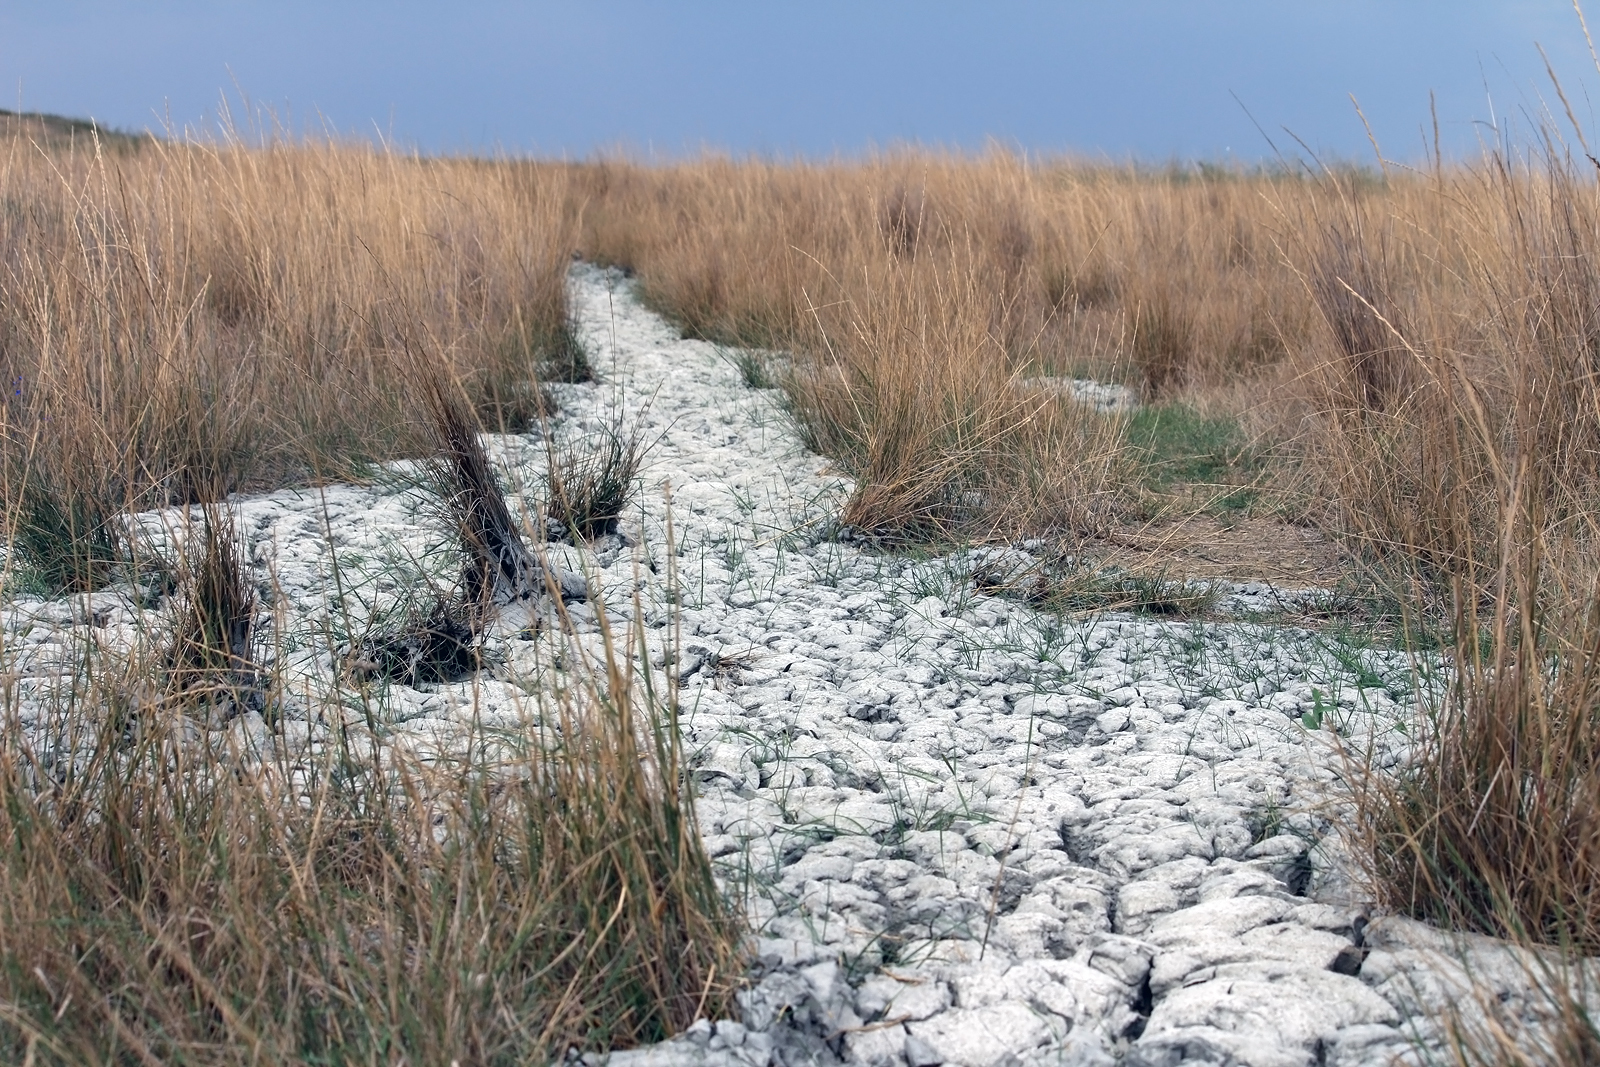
[(1415, 354), (1410, 356), (922, 295), (212, 307), (173, 900), (1348, 319)]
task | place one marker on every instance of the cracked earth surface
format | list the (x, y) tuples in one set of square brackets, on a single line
[(966, 831)]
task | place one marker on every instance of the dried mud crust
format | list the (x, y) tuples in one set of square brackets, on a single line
[(965, 831), (970, 832), (1234, 549)]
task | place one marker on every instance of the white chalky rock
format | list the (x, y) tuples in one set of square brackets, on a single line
[(987, 1036), (877, 1046), (1264, 1014), (1102, 396), (965, 832)]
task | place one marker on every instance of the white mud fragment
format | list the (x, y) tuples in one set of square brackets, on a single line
[(1105, 397), (966, 832)]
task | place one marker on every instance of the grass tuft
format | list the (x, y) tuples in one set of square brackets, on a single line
[(64, 536), (1495, 823), (1348, 280), (211, 661), (1162, 344), (498, 568), (443, 642), (1078, 587), (592, 479), (1177, 444), (512, 393), (752, 365)]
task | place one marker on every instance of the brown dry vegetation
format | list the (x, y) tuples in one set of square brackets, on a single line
[(179, 901), (1409, 361), (239, 306), (1351, 322)]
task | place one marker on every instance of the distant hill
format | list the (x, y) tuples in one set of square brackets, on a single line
[(58, 131)]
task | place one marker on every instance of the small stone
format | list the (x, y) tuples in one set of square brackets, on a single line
[(919, 1053), (756, 1050), (1113, 721), (877, 1046), (1123, 958), (985, 1035), (907, 999), (1140, 903)]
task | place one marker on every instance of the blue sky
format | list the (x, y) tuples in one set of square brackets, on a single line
[(1152, 79)]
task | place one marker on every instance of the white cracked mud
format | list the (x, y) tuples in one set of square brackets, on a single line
[(965, 831)]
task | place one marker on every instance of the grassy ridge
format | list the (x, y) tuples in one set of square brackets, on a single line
[(1391, 339), (57, 132), (207, 305)]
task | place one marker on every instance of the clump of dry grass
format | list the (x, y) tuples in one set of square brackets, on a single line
[(592, 479), (1349, 283), (443, 642), (212, 658), (1468, 429), (919, 402), (498, 568), (1495, 824), (64, 536)]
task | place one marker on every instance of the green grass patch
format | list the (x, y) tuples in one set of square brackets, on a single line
[(752, 366), (64, 536), (1177, 445)]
